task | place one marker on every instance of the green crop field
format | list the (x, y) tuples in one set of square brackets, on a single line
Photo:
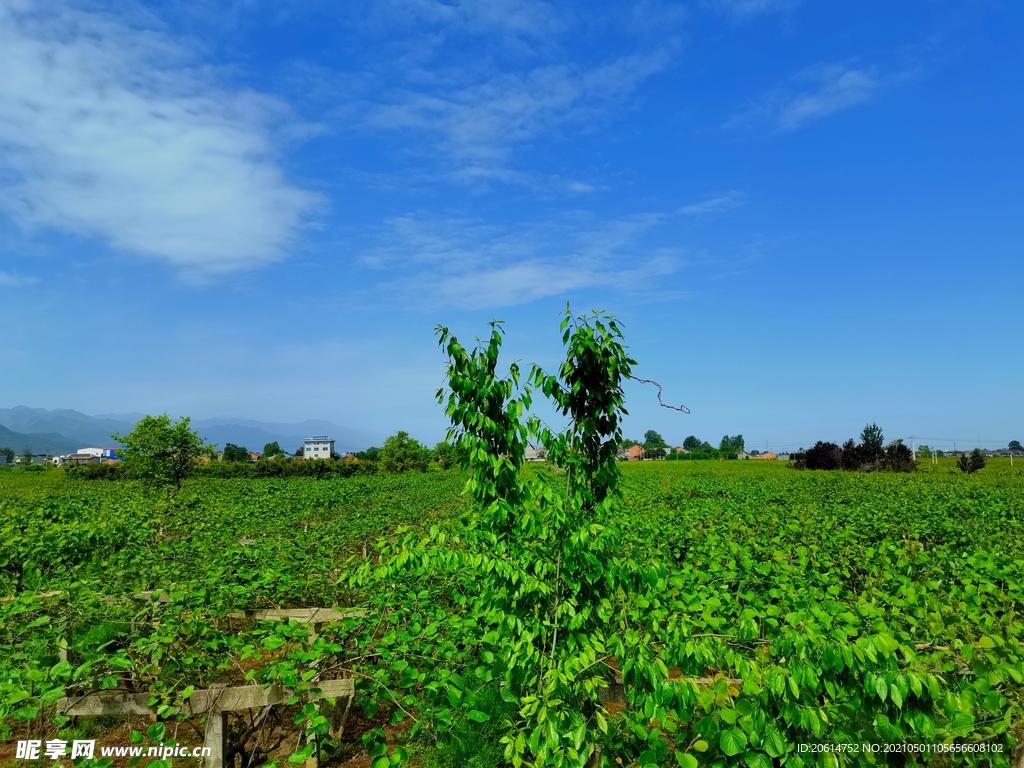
[(790, 608)]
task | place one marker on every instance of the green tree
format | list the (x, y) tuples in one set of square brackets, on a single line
[(969, 463), (161, 451), (300, 451), (653, 440), (26, 456), (402, 453), (731, 445), (448, 455), (7, 453), (1015, 446), (272, 450), (234, 452), (924, 452), (692, 443), (370, 454), (872, 443)]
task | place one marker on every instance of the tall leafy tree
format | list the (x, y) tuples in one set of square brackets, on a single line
[(402, 453), (692, 443), (653, 440), (731, 444), (1015, 445), (872, 443), (272, 450), (234, 452), (162, 451)]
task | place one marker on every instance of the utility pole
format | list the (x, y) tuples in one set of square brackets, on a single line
[(913, 446)]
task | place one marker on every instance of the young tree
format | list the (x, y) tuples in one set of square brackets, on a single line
[(26, 456), (161, 451), (234, 452), (402, 453), (969, 463), (272, 450), (7, 453), (872, 443)]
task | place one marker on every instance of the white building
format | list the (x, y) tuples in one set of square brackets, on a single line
[(318, 447), (99, 453)]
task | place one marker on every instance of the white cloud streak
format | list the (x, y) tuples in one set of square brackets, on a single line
[(745, 9), (817, 92), (479, 126), (9, 280), (468, 264), (113, 133)]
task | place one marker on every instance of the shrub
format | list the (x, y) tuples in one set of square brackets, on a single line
[(823, 456), (402, 453), (969, 463), (897, 458)]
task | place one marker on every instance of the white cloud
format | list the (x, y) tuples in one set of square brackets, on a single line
[(115, 133), (716, 204), (528, 17), (817, 92), (8, 280), (478, 126), (471, 265), (744, 9)]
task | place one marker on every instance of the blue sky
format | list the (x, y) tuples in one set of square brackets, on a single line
[(807, 215)]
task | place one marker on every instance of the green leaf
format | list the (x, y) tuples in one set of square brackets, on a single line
[(773, 742), (686, 760), (757, 760), (478, 716), (732, 741)]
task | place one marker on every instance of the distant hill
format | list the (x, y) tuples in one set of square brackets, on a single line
[(75, 430), (37, 443), (85, 431)]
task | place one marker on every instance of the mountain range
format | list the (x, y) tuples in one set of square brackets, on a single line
[(65, 431)]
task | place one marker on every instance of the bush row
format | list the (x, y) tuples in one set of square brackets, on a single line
[(230, 469)]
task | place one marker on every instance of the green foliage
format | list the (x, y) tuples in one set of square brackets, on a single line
[(653, 441), (8, 453), (731, 445), (969, 463), (448, 455), (402, 453), (370, 454), (692, 443), (234, 452), (1015, 446), (871, 443), (26, 456), (272, 451), (161, 451)]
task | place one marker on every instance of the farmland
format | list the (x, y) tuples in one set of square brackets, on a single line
[(809, 607)]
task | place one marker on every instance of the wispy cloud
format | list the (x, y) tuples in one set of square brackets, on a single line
[(817, 92), (117, 133), (715, 204), (9, 280), (470, 264), (528, 17), (745, 9), (478, 127)]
